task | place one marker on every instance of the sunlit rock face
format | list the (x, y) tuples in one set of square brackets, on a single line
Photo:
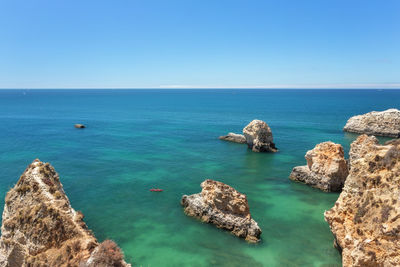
[(223, 206), (259, 137), (365, 219), (326, 168), (383, 123), (40, 228)]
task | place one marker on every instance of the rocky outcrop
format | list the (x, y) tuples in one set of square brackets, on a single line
[(259, 137), (224, 207), (383, 123), (365, 219), (232, 137), (79, 126), (40, 228), (326, 168), (393, 142)]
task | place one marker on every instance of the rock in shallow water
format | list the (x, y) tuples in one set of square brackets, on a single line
[(224, 207), (40, 228), (326, 168), (383, 123), (232, 137), (79, 126), (259, 137), (365, 219)]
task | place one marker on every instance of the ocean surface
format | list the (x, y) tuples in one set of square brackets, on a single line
[(139, 139)]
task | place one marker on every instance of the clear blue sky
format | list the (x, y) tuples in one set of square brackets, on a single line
[(203, 43)]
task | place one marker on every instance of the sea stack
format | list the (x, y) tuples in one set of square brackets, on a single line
[(233, 137), (326, 168), (365, 220), (259, 137), (383, 123), (40, 228), (79, 126), (223, 206)]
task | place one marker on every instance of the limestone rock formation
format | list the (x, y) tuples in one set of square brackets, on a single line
[(365, 219), (326, 168), (259, 137), (79, 126), (383, 123), (394, 142), (40, 228), (223, 206), (232, 137)]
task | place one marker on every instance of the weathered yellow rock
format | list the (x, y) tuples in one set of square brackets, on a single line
[(259, 137), (365, 219), (40, 228), (223, 206), (384, 123), (326, 167)]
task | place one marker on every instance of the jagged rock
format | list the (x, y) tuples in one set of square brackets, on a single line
[(326, 168), (232, 137), (365, 220), (383, 123), (224, 207), (80, 126), (357, 150), (40, 228), (259, 137)]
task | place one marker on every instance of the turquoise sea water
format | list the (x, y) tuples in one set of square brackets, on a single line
[(139, 139)]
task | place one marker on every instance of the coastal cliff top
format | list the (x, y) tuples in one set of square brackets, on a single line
[(365, 219), (383, 123), (39, 225)]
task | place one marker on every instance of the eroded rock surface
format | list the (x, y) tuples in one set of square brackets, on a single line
[(232, 137), (383, 123), (365, 219), (223, 206), (259, 137), (326, 168), (40, 228)]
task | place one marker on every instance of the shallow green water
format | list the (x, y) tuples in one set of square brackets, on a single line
[(137, 140)]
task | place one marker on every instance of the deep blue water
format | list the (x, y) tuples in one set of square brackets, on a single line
[(139, 139)]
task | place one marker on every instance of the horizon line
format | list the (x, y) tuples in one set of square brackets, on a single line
[(272, 86), (200, 88)]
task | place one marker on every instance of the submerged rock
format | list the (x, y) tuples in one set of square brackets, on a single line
[(259, 137), (383, 123), (232, 137), (224, 207), (80, 126), (365, 219), (326, 168), (40, 228)]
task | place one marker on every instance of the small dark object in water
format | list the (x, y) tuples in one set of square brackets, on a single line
[(80, 126), (156, 190)]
